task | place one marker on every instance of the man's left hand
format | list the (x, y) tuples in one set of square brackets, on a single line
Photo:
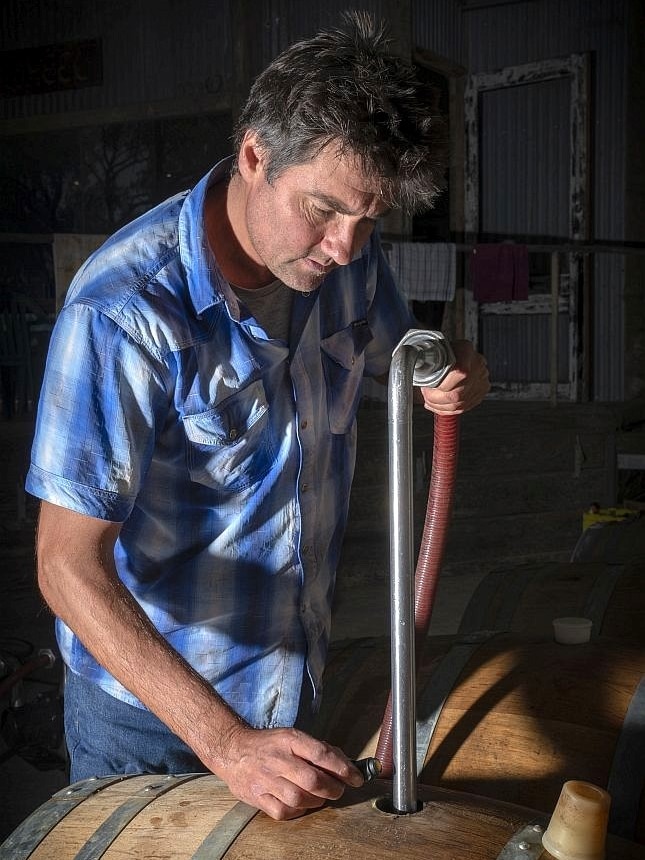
[(464, 387)]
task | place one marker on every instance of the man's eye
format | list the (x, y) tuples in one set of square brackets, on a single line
[(320, 214)]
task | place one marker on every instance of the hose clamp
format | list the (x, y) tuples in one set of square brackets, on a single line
[(435, 357)]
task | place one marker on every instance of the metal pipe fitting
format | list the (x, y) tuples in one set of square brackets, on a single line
[(434, 356), (422, 358)]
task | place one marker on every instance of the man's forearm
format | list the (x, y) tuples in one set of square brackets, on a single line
[(89, 597)]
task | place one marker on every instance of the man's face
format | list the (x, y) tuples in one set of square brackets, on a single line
[(312, 218)]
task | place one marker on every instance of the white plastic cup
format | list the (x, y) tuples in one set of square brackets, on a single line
[(572, 631), (578, 827)]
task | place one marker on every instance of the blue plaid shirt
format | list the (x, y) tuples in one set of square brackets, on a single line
[(227, 456)]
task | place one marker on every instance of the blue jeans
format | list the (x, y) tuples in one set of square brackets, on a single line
[(106, 736)]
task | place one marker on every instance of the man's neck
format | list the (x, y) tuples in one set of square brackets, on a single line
[(224, 209)]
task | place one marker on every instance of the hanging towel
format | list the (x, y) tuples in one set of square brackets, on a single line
[(424, 271), (500, 273)]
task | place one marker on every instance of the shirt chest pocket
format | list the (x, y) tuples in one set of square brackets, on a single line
[(343, 363), (230, 446)]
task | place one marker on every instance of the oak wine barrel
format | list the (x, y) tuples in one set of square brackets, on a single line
[(505, 716), (616, 542), (525, 598), (195, 816)]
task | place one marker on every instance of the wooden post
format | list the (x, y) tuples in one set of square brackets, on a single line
[(555, 309)]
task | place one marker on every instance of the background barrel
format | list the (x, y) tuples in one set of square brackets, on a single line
[(506, 716), (617, 542), (195, 816), (526, 598)]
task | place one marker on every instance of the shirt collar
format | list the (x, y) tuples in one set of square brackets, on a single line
[(205, 281)]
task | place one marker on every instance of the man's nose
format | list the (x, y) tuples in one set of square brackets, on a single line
[(339, 241)]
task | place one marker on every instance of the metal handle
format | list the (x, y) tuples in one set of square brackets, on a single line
[(422, 358)]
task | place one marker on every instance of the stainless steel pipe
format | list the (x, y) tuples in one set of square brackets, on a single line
[(421, 358)]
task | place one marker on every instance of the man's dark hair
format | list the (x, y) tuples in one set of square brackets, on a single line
[(344, 86)]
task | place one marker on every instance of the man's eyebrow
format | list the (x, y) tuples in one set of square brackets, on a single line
[(338, 206)]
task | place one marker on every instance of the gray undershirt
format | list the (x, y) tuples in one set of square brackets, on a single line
[(271, 307)]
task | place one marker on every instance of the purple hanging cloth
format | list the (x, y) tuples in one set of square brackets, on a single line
[(500, 272)]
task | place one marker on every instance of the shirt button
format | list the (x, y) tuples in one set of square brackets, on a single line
[(232, 434), (303, 425), (304, 488)]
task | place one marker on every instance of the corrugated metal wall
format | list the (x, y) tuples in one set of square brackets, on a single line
[(153, 50), (524, 160), (284, 21), (520, 351), (160, 50), (484, 37)]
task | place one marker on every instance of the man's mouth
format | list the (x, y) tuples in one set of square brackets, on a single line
[(320, 268)]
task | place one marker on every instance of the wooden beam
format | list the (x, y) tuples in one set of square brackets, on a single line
[(219, 102)]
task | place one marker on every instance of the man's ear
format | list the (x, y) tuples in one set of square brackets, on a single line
[(250, 160)]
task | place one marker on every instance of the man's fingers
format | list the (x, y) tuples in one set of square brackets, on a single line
[(326, 758), (285, 772), (288, 797), (464, 387), (281, 811), (295, 796)]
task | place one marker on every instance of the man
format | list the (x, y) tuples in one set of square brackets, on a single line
[(196, 432)]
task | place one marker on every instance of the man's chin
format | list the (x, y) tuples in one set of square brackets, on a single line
[(305, 284)]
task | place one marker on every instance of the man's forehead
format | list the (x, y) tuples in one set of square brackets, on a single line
[(338, 180)]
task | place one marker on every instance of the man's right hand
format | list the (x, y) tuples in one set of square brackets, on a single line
[(284, 772)]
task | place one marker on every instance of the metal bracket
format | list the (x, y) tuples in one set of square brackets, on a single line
[(526, 844)]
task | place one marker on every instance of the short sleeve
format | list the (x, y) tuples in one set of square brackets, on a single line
[(102, 401)]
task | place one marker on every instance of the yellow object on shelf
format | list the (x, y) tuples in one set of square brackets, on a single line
[(596, 515)]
